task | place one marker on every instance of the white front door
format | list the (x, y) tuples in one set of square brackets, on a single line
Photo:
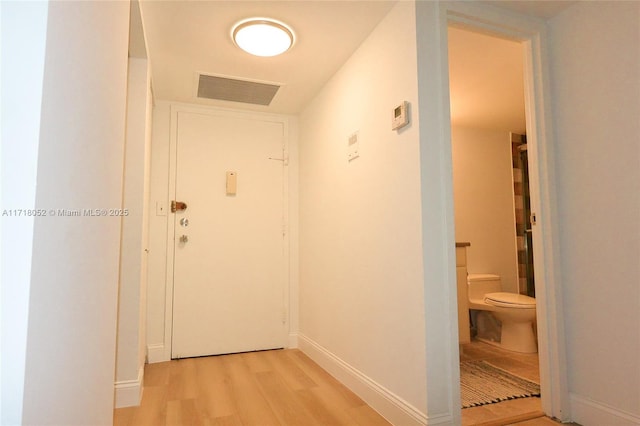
[(229, 264)]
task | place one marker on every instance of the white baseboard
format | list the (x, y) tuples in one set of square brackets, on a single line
[(389, 405), (156, 353), (129, 392), (588, 412), (293, 340)]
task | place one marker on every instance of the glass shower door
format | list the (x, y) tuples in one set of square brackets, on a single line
[(527, 232)]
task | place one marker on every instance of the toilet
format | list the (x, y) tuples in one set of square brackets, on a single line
[(517, 312)]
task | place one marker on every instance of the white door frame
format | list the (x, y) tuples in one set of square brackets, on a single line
[(438, 228), (173, 144)]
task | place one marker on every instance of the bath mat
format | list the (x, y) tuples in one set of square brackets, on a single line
[(482, 383)]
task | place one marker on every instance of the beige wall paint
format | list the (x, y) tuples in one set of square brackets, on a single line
[(595, 69), (361, 287), (483, 200), (486, 78)]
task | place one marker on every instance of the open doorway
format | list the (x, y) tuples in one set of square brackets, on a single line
[(492, 221)]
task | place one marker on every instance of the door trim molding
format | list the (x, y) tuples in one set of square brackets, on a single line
[(128, 393), (175, 109), (532, 33)]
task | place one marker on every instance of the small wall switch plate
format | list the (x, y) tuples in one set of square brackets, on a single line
[(161, 208), (353, 146), (400, 116), (232, 183)]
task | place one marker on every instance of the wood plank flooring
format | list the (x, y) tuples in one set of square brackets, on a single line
[(285, 387), (282, 387), (506, 412)]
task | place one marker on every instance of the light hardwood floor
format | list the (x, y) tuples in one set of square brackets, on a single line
[(282, 387), (285, 387), (506, 412)]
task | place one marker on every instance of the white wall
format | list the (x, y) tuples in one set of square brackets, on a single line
[(24, 30), (157, 266), (133, 255), (70, 359), (361, 287), (148, 208), (484, 204), (595, 69)]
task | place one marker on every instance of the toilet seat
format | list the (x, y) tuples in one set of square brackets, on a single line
[(510, 300)]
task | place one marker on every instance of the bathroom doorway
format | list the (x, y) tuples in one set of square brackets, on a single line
[(491, 200)]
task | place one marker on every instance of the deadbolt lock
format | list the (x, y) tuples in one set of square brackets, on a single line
[(178, 206)]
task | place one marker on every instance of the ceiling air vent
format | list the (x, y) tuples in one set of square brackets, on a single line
[(229, 89)]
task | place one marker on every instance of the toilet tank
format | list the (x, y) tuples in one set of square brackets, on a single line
[(481, 284)]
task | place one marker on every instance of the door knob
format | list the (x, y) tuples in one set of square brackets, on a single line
[(184, 239), (184, 222)]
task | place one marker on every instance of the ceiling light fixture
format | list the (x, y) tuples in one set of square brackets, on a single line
[(262, 36)]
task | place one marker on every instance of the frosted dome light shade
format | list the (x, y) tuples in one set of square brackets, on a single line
[(262, 37)]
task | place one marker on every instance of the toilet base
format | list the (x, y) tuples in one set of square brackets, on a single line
[(518, 337)]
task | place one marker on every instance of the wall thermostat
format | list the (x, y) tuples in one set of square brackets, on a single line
[(400, 116)]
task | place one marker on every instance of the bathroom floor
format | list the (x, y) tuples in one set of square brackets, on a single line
[(506, 412)]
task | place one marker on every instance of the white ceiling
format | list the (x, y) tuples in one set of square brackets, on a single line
[(187, 37)]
